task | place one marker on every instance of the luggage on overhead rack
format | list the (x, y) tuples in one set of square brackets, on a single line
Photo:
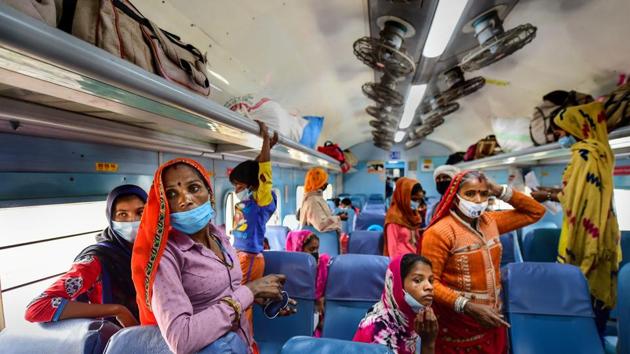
[(540, 127)]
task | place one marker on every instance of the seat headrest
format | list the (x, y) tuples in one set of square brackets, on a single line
[(301, 345), (546, 289), (366, 242), (368, 218), (356, 277), (300, 269)]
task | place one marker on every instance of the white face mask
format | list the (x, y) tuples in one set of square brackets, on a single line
[(471, 209), (128, 230)]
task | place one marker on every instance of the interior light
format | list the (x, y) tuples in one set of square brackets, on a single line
[(413, 101), (444, 21), (218, 76), (400, 135)]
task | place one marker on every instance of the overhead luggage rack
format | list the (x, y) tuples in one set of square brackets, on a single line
[(545, 154), (114, 101)]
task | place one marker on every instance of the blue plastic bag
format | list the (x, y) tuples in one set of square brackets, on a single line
[(311, 132)]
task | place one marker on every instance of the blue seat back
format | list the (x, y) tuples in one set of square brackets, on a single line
[(347, 304), (310, 345), (301, 270), (375, 208), (376, 198), (328, 241), (277, 237), (331, 204), (623, 308), (541, 245), (348, 225), (511, 250), (366, 242), (149, 340), (72, 336), (625, 248), (357, 201), (365, 219), (548, 305)]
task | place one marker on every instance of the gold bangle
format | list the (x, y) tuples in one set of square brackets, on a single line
[(235, 305)]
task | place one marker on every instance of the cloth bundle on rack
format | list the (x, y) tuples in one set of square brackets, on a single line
[(334, 151), (540, 128)]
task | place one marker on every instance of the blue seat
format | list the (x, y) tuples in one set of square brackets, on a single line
[(511, 250), (300, 269), (348, 225), (625, 248), (328, 241), (366, 242), (365, 219), (149, 340), (620, 344), (549, 309), (538, 225), (541, 245), (277, 237), (355, 283), (376, 198), (71, 336), (357, 202), (374, 208), (309, 345), (331, 204)]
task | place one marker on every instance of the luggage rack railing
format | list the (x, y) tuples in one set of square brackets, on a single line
[(46, 61), (545, 154)]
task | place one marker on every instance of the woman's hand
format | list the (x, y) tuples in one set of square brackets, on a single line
[(485, 315), (264, 133), (426, 326), (124, 317), (268, 287), (290, 309), (543, 194), (343, 217), (494, 189)]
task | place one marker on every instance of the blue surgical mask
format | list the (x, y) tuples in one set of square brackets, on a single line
[(243, 195), (413, 303), (567, 141), (415, 205), (193, 220), (126, 229)]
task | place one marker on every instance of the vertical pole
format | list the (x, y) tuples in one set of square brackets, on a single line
[(2, 323)]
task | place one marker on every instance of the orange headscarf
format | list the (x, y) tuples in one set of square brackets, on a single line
[(315, 179), (152, 236), (400, 211)]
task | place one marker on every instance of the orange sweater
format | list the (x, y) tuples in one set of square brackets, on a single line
[(465, 261)]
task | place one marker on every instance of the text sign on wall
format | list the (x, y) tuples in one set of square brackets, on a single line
[(622, 171), (394, 155)]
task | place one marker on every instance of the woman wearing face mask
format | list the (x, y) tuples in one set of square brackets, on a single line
[(403, 220), (463, 245), (252, 181), (99, 282), (443, 175), (306, 241), (184, 268), (590, 233), (315, 211), (404, 312)]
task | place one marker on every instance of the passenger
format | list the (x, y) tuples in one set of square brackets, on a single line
[(337, 202), (252, 181), (315, 211), (346, 203), (403, 220), (184, 267), (404, 312), (463, 245), (443, 175), (306, 241), (590, 236), (99, 282)]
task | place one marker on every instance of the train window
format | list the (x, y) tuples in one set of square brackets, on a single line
[(231, 199), (299, 195), (622, 207), (27, 236)]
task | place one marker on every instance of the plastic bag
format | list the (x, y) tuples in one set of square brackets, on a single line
[(271, 113), (512, 133), (311, 131)]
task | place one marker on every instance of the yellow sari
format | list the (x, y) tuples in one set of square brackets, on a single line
[(590, 236)]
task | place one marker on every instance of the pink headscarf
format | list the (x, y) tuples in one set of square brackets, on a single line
[(295, 243)]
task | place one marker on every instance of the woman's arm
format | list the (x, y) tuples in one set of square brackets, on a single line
[(185, 331), (58, 301), (320, 217), (436, 246), (268, 143), (526, 211)]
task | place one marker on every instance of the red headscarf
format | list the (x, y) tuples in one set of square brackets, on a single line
[(445, 205), (152, 236), (400, 211)]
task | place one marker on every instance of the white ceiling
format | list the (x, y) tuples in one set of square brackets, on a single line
[(300, 54)]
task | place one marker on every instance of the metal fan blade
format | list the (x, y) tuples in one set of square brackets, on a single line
[(441, 112), (383, 57), (379, 112), (413, 143), (463, 89), (383, 94), (498, 47)]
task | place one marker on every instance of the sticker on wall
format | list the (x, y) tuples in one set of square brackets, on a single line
[(412, 165), (427, 165), (622, 171), (375, 167), (106, 167)]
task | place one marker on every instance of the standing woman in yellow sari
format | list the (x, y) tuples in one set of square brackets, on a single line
[(590, 236)]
